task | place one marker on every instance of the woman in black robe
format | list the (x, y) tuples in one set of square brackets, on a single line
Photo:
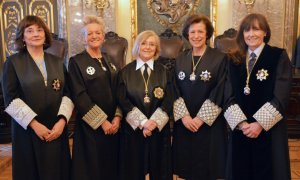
[(144, 94), (257, 94), (35, 96), (93, 86), (199, 143)]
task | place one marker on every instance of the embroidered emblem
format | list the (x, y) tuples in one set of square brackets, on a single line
[(181, 75), (90, 70), (262, 74), (205, 75), (56, 84), (158, 92), (113, 66)]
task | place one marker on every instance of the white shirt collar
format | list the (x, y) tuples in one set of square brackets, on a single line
[(257, 51), (140, 63)]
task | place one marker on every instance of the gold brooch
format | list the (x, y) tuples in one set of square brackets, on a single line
[(205, 75), (158, 93), (56, 84), (262, 74)]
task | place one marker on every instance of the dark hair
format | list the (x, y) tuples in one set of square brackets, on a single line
[(26, 22), (247, 23), (196, 18)]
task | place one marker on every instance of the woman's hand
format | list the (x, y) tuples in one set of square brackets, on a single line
[(40, 130), (150, 125), (253, 131), (190, 124), (115, 125), (106, 126), (147, 132), (57, 130)]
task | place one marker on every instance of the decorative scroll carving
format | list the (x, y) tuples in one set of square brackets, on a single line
[(249, 4), (100, 5), (169, 13), (12, 13), (43, 9)]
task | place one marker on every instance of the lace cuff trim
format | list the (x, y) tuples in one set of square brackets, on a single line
[(134, 117), (267, 116), (95, 117), (21, 112), (179, 109), (66, 108), (160, 117), (234, 115), (209, 112)]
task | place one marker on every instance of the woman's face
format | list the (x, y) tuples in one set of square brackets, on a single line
[(148, 49), (94, 37), (34, 36), (254, 37), (197, 35)]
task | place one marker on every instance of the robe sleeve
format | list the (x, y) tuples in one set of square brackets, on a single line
[(15, 106), (232, 111), (134, 116), (66, 105), (161, 114), (211, 108), (273, 111), (92, 114)]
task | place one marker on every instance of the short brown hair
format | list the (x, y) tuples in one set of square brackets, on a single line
[(248, 23), (29, 21), (196, 18), (141, 38)]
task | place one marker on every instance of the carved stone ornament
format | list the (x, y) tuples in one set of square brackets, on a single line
[(170, 13)]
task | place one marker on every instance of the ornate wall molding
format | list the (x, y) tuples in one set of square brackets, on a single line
[(12, 13), (43, 9)]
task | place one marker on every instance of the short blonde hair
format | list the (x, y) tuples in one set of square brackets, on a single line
[(93, 20), (143, 36)]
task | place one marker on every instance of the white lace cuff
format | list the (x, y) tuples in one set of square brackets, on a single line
[(209, 112), (179, 109), (21, 112), (234, 115), (66, 108), (134, 117), (160, 117), (95, 117), (267, 116)]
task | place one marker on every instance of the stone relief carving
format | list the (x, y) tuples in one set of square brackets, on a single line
[(169, 13)]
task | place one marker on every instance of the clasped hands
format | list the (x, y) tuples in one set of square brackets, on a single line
[(112, 127), (148, 127), (46, 134), (192, 124), (251, 130)]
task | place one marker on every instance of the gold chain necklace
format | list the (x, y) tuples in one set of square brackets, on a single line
[(146, 98), (101, 64), (247, 87), (193, 75)]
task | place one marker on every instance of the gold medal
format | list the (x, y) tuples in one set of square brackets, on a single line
[(158, 93), (146, 99), (193, 77), (56, 85), (246, 90)]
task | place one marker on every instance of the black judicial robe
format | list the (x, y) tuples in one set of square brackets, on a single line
[(140, 155), (200, 155), (94, 155), (34, 159), (266, 157)]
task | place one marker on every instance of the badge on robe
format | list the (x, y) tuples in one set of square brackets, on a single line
[(158, 92), (205, 76), (181, 75), (56, 84), (262, 74), (90, 70)]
